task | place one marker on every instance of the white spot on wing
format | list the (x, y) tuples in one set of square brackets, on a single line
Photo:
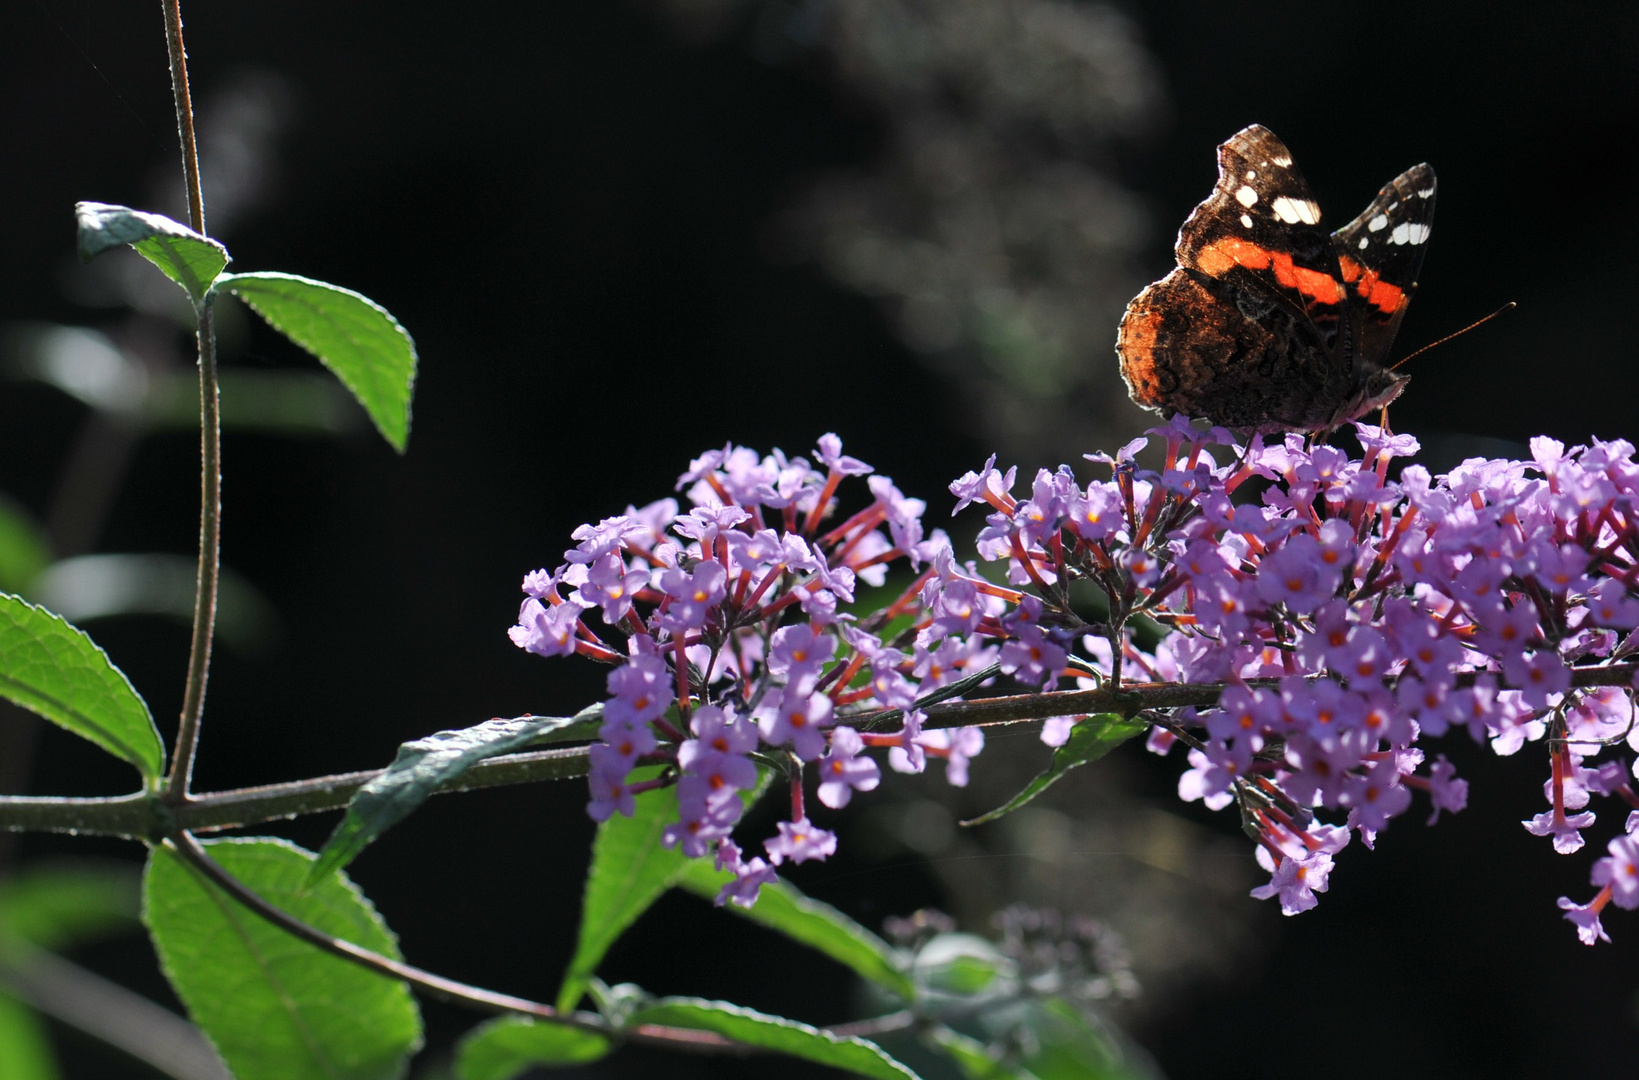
[(1409, 232), (1251, 174), (1246, 220), (1293, 211), (1379, 222), (1363, 242), (1425, 193), (1281, 160), (1246, 197)]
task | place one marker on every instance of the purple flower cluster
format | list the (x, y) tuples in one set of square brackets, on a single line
[(1342, 616), (731, 645), (1297, 619)]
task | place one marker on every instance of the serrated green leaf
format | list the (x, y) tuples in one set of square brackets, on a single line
[(54, 669), (973, 1057), (25, 1052), (419, 770), (352, 335), (780, 906), (187, 258), (275, 1007), (54, 905), (629, 872), (507, 1047), (775, 1033), (1090, 739), (24, 549)]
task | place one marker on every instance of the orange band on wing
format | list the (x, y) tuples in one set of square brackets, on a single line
[(1372, 289), (1316, 286)]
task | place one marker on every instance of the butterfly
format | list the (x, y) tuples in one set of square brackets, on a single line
[(1269, 322)]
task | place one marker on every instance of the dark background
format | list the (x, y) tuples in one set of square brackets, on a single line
[(575, 210)]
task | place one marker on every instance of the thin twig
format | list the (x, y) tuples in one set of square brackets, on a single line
[(107, 1011), (436, 986), (210, 442)]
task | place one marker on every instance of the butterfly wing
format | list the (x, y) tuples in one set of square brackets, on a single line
[(1259, 233), (1380, 254)]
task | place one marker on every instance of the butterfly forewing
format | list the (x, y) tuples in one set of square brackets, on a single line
[(1259, 232), (1380, 253)]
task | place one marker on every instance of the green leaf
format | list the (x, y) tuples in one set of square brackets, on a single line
[(973, 1057), (780, 906), (24, 549), (187, 258), (774, 1033), (352, 335), (1090, 739), (964, 965), (55, 905), (25, 1052), (629, 872), (275, 1007), (504, 1048), (419, 770), (52, 668), (1066, 1044)]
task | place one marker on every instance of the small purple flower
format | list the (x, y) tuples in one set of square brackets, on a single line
[(1609, 604), (799, 651), (1538, 676), (1585, 917), (705, 815), (842, 771), (1562, 827), (1445, 790), (985, 485), (693, 595), (800, 841), (540, 584), (607, 780), (1296, 881), (546, 631), (641, 690), (1295, 575), (957, 747), (908, 755), (797, 716), (610, 586), (1619, 872), (832, 457), (749, 875)]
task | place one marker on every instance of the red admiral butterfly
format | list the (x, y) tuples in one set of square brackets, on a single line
[(1269, 323)]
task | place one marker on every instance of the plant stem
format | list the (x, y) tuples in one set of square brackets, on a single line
[(139, 817), (184, 113), (210, 442), (459, 993)]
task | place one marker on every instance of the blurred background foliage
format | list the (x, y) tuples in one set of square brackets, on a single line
[(625, 232)]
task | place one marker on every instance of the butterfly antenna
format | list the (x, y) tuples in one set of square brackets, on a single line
[(1510, 306)]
